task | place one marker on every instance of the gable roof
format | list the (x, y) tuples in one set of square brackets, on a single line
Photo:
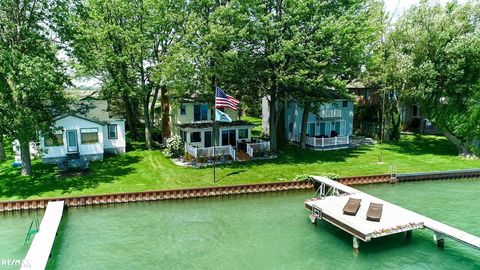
[(92, 110)]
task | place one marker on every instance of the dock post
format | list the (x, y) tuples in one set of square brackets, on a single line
[(438, 238), (409, 235), (356, 244)]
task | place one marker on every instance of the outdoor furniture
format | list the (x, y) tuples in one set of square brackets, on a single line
[(351, 207), (374, 212)]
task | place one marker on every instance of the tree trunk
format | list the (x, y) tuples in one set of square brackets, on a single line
[(148, 125), (421, 128), (130, 117), (25, 156), (166, 130), (303, 131), (153, 104), (462, 146), (3, 155), (272, 129), (281, 133)]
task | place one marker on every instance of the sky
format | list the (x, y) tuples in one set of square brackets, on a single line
[(390, 5)]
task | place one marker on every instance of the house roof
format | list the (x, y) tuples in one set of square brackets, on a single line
[(355, 84), (90, 109), (220, 124)]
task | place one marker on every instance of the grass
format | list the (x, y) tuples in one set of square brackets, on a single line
[(141, 170)]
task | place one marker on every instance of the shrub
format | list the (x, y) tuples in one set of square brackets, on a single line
[(174, 147)]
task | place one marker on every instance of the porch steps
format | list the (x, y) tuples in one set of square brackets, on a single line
[(242, 156)]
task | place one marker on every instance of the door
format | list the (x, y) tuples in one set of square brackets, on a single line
[(232, 135), (208, 138), (72, 142)]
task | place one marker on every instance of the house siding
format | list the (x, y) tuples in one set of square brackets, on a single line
[(93, 151), (293, 115)]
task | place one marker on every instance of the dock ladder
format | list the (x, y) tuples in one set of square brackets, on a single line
[(393, 171)]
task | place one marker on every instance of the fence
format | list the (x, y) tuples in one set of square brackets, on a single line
[(255, 148), (209, 151)]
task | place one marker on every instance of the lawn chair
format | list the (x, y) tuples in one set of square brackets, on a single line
[(351, 207), (374, 212)]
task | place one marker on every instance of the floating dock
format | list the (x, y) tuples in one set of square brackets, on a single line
[(331, 197), (39, 252)]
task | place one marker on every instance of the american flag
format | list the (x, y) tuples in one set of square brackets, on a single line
[(223, 100)]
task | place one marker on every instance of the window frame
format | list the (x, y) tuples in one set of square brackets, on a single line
[(183, 109), (116, 131), (83, 132), (49, 143), (240, 133), (199, 137)]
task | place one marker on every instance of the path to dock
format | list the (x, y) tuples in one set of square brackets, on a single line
[(395, 219), (39, 252)]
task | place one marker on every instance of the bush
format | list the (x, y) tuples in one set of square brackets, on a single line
[(174, 148)]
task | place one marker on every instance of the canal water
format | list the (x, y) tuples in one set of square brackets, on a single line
[(260, 231)]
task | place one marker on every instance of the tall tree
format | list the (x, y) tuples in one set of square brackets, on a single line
[(3, 155), (439, 48), (31, 76), (127, 45), (325, 45)]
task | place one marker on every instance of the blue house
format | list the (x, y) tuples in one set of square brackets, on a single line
[(330, 128)]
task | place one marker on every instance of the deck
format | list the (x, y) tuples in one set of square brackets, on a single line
[(39, 252), (395, 219)]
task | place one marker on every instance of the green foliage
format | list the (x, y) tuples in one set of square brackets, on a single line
[(432, 56), (32, 78), (174, 148)]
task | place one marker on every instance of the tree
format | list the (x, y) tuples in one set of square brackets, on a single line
[(3, 155), (31, 76), (324, 46), (127, 44), (437, 51)]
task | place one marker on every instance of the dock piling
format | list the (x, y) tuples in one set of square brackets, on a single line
[(409, 235), (356, 244), (438, 238)]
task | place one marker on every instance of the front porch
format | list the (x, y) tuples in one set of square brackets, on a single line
[(323, 143), (243, 151)]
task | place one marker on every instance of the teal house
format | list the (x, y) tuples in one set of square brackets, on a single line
[(329, 128)]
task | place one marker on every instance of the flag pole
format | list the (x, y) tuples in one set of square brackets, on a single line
[(214, 130)]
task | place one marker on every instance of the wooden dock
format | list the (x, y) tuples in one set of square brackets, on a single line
[(39, 252), (332, 196)]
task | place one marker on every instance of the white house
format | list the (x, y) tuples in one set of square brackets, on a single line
[(89, 133)]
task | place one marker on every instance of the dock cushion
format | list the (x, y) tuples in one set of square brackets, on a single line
[(374, 212), (351, 207)]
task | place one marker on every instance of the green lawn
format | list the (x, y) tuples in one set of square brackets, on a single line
[(149, 170)]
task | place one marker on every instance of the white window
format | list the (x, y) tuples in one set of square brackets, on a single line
[(112, 131), (243, 133)]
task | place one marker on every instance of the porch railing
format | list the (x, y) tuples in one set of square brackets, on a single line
[(322, 142), (257, 147), (207, 152), (330, 113)]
